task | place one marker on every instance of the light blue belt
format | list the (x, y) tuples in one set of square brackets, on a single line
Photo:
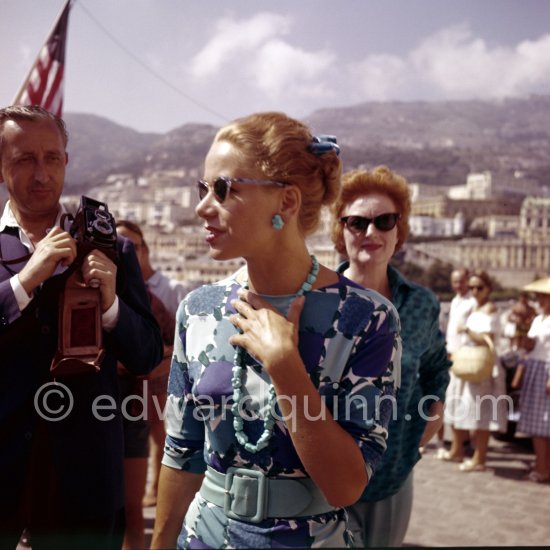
[(249, 495)]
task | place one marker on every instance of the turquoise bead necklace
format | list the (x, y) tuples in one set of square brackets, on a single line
[(237, 383)]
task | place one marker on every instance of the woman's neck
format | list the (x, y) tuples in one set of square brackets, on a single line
[(279, 273), (373, 277)]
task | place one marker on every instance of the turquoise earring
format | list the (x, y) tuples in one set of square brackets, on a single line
[(277, 222)]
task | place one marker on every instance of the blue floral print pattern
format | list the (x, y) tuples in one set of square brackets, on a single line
[(351, 348), (356, 314)]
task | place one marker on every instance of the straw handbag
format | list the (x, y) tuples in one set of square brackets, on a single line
[(474, 363)]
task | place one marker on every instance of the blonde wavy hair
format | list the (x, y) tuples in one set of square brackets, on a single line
[(278, 146)]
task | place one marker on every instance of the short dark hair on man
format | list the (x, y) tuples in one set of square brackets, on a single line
[(134, 228), (131, 226), (32, 113)]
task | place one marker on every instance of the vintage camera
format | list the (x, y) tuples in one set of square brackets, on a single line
[(94, 227), (80, 344)]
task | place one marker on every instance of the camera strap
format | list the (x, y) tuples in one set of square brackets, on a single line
[(11, 231), (65, 216), (15, 260), (24, 258)]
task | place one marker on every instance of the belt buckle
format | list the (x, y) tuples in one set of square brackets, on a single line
[(261, 496)]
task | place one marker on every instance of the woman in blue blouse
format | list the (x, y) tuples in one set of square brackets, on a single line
[(279, 372), (371, 223)]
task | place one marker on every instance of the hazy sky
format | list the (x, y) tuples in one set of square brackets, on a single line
[(154, 65)]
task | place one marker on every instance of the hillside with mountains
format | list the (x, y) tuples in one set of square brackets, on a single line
[(437, 143), (99, 147), (442, 141)]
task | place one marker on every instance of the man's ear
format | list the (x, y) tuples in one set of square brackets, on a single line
[(66, 158), (291, 201)]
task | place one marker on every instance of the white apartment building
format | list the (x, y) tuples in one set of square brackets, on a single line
[(514, 261), (535, 219), (497, 226), (426, 226), (478, 187)]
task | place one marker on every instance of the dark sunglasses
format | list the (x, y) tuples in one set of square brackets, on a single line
[(222, 184), (476, 287), (382, 222)]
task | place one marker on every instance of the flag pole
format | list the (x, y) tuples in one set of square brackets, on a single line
[(56, 22)]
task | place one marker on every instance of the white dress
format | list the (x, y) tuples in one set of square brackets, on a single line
[(460, 309), (479, 406)]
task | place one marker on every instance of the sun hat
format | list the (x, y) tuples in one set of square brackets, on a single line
[(542, 286)]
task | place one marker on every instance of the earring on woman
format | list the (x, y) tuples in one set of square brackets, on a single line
[(277, 222)]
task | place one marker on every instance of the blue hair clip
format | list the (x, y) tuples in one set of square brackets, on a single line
[(324, 143)]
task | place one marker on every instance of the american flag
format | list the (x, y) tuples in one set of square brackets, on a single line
[(44, 84)]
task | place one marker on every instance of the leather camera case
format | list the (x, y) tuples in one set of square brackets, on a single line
[(80, 346)]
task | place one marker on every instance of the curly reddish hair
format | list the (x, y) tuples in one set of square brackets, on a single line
[(359, 183)]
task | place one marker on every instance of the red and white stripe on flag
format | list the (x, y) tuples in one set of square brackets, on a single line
[(44, 85)]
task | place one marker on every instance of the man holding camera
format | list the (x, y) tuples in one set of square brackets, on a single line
[(61, 436)]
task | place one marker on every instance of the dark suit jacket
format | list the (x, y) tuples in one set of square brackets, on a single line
[(87, 452)]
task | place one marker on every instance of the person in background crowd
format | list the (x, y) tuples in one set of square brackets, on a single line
[(144, 431), (268, 360), (475, 406), (169, 291), (516, 322), (461, 306), (61, 478), (370, 223), (157, 383), (534, 378), (519, 321)]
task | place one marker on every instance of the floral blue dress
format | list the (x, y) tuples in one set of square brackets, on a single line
[(350, 344)]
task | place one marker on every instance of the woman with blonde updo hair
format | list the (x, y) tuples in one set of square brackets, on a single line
[(253, 457), (370, 223), (275, 146)]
